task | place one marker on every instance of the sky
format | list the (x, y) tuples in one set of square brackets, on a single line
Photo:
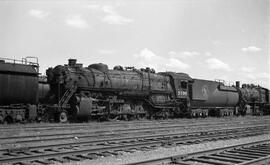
[(207, 39)]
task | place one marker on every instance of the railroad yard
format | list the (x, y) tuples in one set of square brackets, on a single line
[(180, 141), (118, 82)]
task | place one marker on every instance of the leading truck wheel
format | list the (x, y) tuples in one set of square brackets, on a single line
[(63, 117)]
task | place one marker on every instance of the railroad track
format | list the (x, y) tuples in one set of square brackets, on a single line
[(164, 136), (94, 124), (60, 153), (254, 153), (115, 133), (75, 126)]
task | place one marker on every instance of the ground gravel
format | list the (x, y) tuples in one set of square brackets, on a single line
[(164, 152)]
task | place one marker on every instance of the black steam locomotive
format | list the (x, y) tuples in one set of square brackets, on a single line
[(76, 92)]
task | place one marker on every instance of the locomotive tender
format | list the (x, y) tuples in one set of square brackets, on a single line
[(76, 92)]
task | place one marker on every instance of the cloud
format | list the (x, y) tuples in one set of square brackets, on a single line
[(208, 54), (250, 76), (251, 49), (249, 73), (214, 63), (92, 7), (111, 15), (116, 19), (216, 43), (39, 13), (263, 75), (76, 21), (108, 9), (105, 51), (147, 58), (247, 69), (185, 54), (256, 76), (177, 64)]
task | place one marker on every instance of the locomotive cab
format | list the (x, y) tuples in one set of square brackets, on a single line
[(182, 89), (181, 84)]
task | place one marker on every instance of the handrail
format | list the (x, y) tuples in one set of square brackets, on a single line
[(22, 61)]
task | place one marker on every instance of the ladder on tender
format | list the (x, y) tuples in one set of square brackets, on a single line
[(67, 95)]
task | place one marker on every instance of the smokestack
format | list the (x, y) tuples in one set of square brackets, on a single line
[(72, 62), (237, 84)]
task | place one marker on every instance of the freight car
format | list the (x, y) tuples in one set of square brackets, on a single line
[(18, 89)]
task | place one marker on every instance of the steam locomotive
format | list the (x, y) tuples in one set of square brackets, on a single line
[(74, 92)]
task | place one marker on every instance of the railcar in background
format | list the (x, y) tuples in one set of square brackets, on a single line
[(255, 99), (18, 89)]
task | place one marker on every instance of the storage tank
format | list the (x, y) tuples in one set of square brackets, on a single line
[(18, 83), (213, 94)]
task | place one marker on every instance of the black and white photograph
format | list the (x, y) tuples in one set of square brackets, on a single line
[(134, 82)]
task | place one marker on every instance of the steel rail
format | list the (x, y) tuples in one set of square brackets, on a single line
[(186, 159), (140, 132), (112, 123), (84, 134), (156, 136)]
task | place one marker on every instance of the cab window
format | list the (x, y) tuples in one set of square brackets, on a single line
[(183, 84)]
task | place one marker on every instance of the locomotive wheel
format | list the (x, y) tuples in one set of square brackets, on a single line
[(19, 118), (63, 117), (111, 117), (8, 120)]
